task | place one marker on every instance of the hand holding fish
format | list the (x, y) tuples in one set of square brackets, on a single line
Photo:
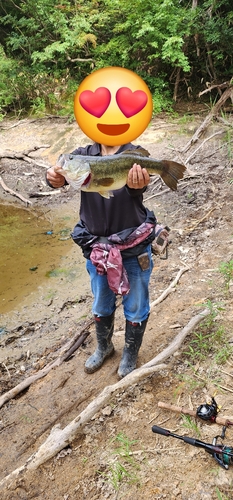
[(138, 177), (54, 178)]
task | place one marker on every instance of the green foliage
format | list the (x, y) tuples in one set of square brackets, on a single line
[(190, 424), (123, 468), (7, 92), (210, 340), (221, 496), (48, 47), (226, 268)]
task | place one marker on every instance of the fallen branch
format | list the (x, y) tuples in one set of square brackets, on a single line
[(220, 132), (200, 220), (20, 122), (157, 194), (66, 352), (13, 193), (60, 438), (24, 155), (171, 287), (217, 85), (186, 411), (178, 340), (213, 113), (44, 193)]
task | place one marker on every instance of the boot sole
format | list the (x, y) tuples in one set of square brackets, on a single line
[(94, 369)]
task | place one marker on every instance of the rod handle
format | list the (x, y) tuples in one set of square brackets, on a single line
[(160, 430)]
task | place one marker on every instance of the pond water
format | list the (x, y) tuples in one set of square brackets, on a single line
[(33, 250)]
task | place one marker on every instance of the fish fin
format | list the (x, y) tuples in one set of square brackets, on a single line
[(172, 172), (137, 152), (105, 181), (106, 194)]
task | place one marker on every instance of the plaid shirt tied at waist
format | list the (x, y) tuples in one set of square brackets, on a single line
[(108, 260)]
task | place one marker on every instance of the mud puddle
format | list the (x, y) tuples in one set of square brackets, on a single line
[(36, 254)]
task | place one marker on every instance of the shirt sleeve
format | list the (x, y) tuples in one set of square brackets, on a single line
[(135, 192)]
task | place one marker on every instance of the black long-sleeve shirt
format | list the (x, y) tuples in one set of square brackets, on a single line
[(124, 210)]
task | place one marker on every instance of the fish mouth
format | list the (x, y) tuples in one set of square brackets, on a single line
[(113, 129)]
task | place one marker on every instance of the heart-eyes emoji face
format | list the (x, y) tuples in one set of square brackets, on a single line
[(113, 106)]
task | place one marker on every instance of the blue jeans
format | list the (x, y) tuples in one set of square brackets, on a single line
[(136, 303)]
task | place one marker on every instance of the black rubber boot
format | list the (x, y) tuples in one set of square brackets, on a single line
[(133, 338), (105, 347)]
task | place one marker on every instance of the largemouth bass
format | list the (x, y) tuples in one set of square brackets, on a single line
[(104, 174)]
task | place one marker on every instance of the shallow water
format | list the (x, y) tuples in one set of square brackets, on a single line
[(33, 250)]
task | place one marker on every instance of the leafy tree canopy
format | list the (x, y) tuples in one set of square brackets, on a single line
[(47, 47)]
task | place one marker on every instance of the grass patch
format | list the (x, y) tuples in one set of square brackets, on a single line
[(123, 468), (210, 340)]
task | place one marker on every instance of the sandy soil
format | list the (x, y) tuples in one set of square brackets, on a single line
[(98, 464)]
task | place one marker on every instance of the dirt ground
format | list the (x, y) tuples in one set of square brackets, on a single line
[(118, 456)]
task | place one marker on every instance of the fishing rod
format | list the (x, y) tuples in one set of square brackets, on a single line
[(222, 454)]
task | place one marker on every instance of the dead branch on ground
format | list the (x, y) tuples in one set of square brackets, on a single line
[(192, 228), (41, 194), (170, 289), (24, 155), (66, 352), (213, 113), (219, 132), (60, 438), (13, 193), (218, 86), (178, 340)]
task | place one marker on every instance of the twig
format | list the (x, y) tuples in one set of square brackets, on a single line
[(226, 373), (59, 439), (221, 119), (13, 193), (157, 194), (170, 288), (214, 111), (201, 220), (153, 450), (220, 132), (222, 387), (217, 85), (44, 193), (9, 375)]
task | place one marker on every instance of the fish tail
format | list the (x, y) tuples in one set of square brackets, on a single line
[(171, 173)]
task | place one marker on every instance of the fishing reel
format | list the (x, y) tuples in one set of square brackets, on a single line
[(225, 457), (208, 411)]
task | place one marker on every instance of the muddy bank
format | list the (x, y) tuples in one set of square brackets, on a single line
[(199, 215)]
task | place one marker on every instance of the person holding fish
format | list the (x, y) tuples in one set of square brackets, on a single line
[(115, 230), (128, 272)]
